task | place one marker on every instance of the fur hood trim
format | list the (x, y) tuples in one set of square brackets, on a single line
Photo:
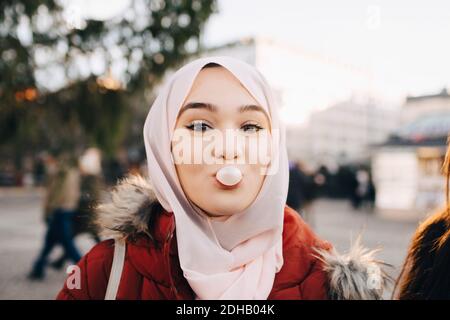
[(127, 211), (356, 275)]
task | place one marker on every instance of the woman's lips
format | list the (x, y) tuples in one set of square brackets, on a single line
[(229, 175), (220, 185)]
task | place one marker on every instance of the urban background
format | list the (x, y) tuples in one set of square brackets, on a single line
[(363, 87)]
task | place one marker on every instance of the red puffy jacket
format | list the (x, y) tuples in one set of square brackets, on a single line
[(152, 269)]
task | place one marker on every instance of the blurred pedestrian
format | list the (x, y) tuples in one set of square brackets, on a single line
[(345, 184), (63, 193), (371, 194), (295, 196), (302, 191), (90, 186), (39, 170)]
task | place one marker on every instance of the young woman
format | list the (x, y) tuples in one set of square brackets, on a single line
[(426, 271), (212, 222)]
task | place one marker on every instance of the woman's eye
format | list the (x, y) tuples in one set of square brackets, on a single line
[(251, 128), (198, 126)]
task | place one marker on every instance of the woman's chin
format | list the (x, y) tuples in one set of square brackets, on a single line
[(226, 206)]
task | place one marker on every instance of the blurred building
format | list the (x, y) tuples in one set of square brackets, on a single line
[(407, 167), (343, 133), (419, 106)]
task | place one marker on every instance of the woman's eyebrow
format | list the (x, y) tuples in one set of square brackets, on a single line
[(253, 107), (213, 108), (198, 105)]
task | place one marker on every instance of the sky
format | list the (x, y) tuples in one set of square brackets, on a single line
[(403, 44)]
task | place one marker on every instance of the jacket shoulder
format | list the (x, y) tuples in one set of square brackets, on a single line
[(302, 275), (93, 273), (297, 233)]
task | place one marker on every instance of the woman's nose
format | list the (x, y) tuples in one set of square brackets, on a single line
[(230, 146)]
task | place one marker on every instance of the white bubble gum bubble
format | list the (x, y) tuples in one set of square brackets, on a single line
[(229, 175)]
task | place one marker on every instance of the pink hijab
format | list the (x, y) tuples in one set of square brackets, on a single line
[(235, 258)]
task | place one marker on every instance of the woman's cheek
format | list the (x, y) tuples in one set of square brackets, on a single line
[(255, 176), (189, 176), (185, 175), (258, 149)]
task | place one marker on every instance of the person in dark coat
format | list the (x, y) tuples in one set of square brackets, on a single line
[(426, 271), (295, 192)]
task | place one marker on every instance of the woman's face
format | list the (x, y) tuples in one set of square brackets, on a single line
[(220, 123)]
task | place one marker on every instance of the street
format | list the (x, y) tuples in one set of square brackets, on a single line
[(22, 232)]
